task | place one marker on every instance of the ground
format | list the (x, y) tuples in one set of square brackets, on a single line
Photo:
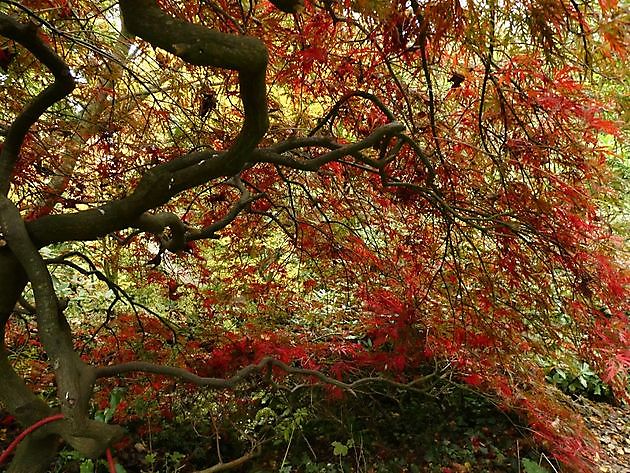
[(462, 434), (612, 426)]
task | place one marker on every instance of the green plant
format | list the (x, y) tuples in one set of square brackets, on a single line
[(530, 466), (67, 458), (577, 378), (115, 396)]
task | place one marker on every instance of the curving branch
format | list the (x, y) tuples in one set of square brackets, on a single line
[(27, 36), (160, 183), (203, 46), (181, 233), (263, 366), (273, 155), (242, 203)]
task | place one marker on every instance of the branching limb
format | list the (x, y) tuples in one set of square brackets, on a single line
[(210, 231), (271, 156), (261, 367), (27, 36), (159, 185), (357, 93)]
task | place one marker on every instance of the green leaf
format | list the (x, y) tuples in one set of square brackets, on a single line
[(87, 466), (339, 449), (115, 397), (530, 466), (120, 468)]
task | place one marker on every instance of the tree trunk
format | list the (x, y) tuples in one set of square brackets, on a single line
[(35, 454)]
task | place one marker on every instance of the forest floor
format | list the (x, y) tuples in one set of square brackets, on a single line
[(612, 426), (468, 436)]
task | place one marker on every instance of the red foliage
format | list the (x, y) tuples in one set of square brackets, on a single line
[(473, 240)]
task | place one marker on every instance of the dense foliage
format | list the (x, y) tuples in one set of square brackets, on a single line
[(338, 195)]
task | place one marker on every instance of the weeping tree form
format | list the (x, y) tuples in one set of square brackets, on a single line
[(422, 159)]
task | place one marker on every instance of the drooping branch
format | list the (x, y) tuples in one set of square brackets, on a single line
[(202, 46), (27, 36), (261, 367)]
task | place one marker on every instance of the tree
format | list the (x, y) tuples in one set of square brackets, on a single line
[(429, 173)]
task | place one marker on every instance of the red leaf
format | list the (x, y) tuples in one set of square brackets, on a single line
[(473, 379)]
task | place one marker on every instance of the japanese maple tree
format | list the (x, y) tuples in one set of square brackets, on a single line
[(341, 191)]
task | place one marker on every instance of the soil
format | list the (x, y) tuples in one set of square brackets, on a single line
[(612, 426)]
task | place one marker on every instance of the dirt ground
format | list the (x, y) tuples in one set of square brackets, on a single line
[(612, 426)]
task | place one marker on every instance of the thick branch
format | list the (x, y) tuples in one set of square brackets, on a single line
[(27, 36), (160, 184), (74, 378), (202, 46)]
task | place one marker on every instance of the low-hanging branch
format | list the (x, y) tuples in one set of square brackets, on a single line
[(265, 364)]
